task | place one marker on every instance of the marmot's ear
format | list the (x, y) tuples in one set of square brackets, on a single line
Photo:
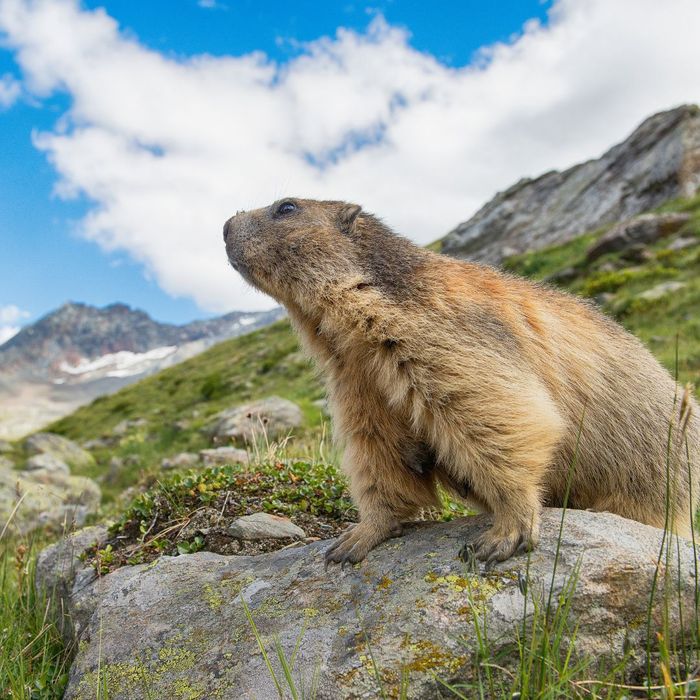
[(347, 217)]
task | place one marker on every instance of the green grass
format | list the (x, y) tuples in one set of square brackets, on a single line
[(33, 659)]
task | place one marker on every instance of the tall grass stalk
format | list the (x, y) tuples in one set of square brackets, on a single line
[(33, 658)]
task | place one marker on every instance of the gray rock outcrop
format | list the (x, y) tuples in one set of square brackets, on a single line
[(177, 627), (658, 162), (46, 461), (643, 229), (272, 416), (60, 447)]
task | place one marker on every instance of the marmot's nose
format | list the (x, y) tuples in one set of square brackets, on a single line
[(227, 229)]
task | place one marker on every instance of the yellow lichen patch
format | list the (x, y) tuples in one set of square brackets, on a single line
[(270, 607), (188, 691), (478, 588), (426, 656), (213, 596), (159, 676), (310, 613), (384, 583), (175, 659)]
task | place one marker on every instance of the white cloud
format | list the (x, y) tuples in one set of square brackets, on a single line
[(10, 316), (167, 149), (10, 90)]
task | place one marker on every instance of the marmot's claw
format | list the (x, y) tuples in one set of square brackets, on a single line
[(492, 547), (353, 544)]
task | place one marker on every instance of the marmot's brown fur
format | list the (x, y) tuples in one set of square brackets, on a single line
[(442, 371)]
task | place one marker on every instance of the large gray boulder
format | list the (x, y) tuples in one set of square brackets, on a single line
[(31, 499), (60, 447), (177, 627), (273, 416), (658, 162)]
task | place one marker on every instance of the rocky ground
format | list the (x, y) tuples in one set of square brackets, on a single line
[(411, 616)]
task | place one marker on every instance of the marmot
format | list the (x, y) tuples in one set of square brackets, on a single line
[(442, 371)]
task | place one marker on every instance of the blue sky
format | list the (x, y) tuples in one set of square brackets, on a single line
[(44, 262), (107, 196)]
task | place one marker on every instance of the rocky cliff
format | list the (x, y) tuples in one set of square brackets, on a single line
[(658, 162)]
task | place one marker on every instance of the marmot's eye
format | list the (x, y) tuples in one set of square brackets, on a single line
[(286, 208)]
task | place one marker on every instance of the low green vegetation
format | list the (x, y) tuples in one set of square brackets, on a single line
[(34, 661), (312, 494)]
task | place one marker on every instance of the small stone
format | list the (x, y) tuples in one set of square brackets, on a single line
[(661, 290), (127, 426), (682, 242), (223, 455), (180, 461), (263, 526), (98, 443), (47, 461)]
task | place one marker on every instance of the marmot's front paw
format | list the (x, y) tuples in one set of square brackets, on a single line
[(494, 546), (354, 543)]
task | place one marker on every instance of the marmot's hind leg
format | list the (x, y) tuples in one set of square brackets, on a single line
[(506, 465)]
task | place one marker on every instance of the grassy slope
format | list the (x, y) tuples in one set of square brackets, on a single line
[(264, 363)]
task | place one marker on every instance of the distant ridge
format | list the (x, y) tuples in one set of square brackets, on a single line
[(76, 332), (658, 162), (79, 352)]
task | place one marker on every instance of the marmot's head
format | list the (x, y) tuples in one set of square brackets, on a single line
[(297, 248)]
